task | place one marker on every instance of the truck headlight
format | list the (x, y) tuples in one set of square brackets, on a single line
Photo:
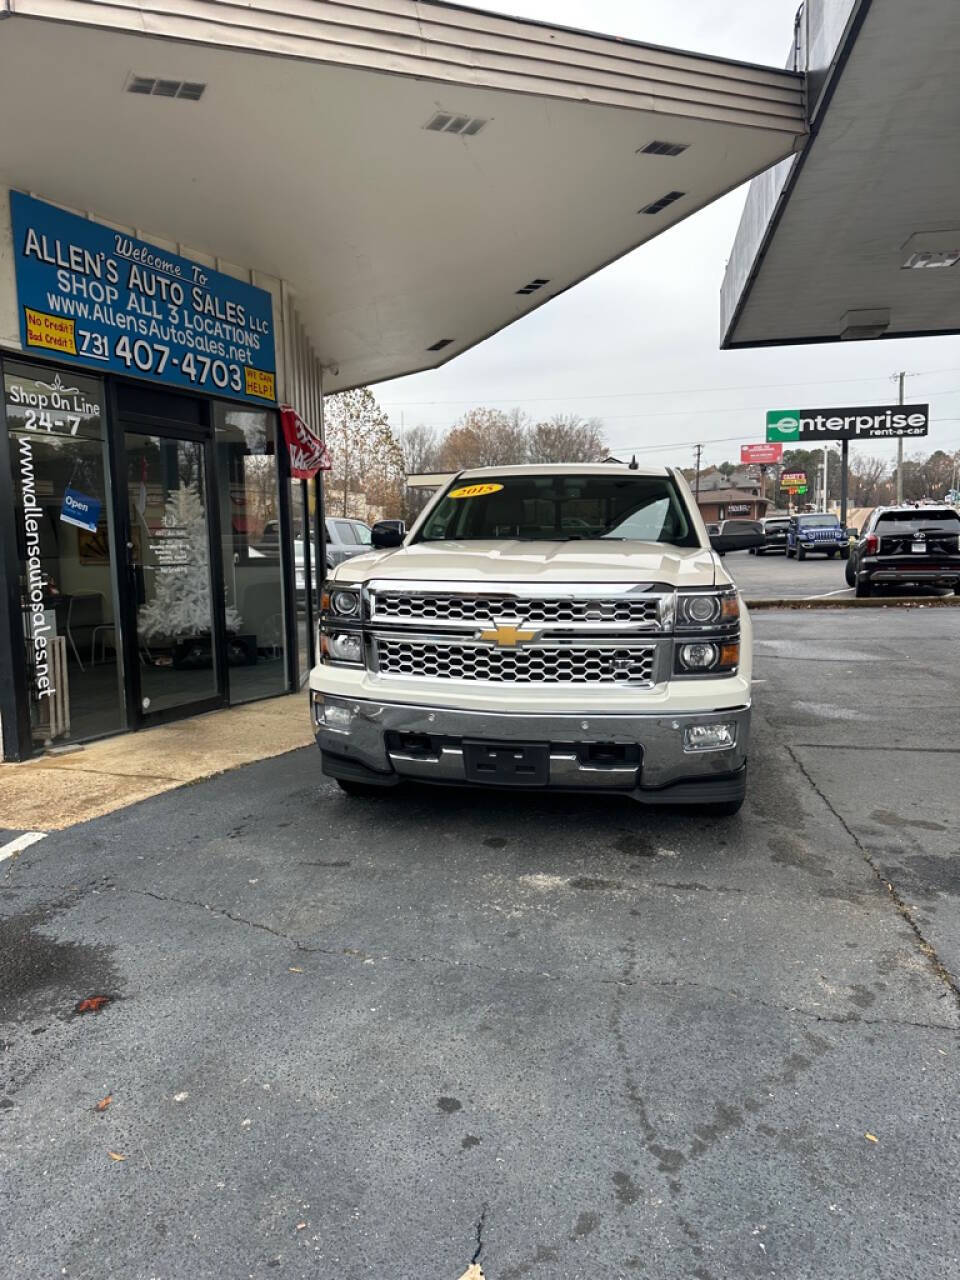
[(710, 737), (707, 609), (343, 646), (346, 604), (703, 657)]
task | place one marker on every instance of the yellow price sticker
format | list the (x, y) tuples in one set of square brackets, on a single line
[(475, 491)]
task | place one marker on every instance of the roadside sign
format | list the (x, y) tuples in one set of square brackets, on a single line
[(793, 479), (761, 454), (873, 422)]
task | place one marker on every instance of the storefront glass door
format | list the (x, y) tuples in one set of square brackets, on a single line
[(169, 552)]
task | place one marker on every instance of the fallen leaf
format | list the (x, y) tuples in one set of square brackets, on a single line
[(115, 1155), (301, 1226), (473, 1272), (104, 1103), (294, 969), (92, 1004), (871, 1137)]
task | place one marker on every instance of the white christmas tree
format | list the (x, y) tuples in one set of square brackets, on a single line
[(180, 607)]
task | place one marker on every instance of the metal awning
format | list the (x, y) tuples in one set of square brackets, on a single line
[(854, 237), (422, 174)]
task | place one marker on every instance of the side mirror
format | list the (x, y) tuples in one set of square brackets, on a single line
[(384, 535), (738, 535)]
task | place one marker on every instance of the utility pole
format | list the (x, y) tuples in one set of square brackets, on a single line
[(699, 454), (900, 451)]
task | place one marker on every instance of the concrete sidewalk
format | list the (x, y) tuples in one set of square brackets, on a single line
[(53, 792)]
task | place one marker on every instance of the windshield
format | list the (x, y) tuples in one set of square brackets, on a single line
[(819, 522), (561, 508), (919, 516)]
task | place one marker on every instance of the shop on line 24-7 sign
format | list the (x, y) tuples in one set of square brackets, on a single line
[(103, 299), (873, 423)]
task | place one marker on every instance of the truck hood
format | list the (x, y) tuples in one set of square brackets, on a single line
[(594, 560)]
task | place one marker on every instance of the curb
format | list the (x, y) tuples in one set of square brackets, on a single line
[(851, 602)]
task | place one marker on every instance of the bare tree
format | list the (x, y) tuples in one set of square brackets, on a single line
[(421, 450), (485, 438), (566, 438), (366, 455)]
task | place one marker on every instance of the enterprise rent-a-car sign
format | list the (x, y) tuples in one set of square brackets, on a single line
[(872, 423), (100, 298)]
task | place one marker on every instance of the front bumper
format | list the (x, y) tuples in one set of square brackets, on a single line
[(653, 765)]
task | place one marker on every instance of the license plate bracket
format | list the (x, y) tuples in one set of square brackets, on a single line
[(507, 764), (918, 547)]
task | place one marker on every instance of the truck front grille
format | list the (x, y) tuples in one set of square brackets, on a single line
[(428, 660), (403, 606)]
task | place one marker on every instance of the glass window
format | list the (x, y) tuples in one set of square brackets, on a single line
[(562, 508), (65, 544), (250, 538), (301, 530), (345, 533), (363, 534)]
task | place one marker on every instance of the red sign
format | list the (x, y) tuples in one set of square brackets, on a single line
[(762, 454), (308, 453)]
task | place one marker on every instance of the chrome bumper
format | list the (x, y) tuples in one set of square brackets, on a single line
[(369, 745)]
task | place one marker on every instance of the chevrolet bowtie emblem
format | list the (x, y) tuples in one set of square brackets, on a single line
[(507, 637)]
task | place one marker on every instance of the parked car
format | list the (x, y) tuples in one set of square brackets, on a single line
[(774, 535), (345, 538), (906, 546), (816, 533)]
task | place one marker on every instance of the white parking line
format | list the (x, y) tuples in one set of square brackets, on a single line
[(844, 591), (20, 843)]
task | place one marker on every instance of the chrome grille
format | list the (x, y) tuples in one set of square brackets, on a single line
[(401, 606), (428, 660)]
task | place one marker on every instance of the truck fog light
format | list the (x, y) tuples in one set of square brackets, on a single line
[(710, 737), (699, 657), (345, 646), (338, 718)]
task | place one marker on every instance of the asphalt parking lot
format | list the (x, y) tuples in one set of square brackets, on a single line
[(774, 577), (566, 1037)]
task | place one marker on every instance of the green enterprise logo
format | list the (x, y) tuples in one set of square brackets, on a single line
[(782, 424)]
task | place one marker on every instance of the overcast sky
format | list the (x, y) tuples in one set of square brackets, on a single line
[(599, 350)]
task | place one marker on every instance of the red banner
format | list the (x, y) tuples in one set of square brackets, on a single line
[(762, 454), (308, 453)]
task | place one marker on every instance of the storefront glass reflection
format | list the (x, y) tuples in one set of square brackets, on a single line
[(249, 529), (64, 542)]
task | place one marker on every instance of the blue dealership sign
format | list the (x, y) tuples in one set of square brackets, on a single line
[(103, 299)]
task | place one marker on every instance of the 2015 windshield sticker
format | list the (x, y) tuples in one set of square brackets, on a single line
[(475, 491)]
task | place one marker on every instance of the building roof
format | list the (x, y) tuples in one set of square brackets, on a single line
[(730, 495), (825, 238), (423, 175)]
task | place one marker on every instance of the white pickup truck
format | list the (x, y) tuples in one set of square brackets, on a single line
[(546, 627)]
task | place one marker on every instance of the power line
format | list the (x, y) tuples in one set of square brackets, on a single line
[(620, 395)]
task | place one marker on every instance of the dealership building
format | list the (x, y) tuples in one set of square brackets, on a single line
[(209, 211)]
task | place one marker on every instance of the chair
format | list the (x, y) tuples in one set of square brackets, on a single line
[(84, 614)]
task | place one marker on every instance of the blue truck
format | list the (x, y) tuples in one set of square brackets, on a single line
[(817, 533)]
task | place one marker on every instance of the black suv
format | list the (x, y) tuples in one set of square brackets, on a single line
[(774, 535), (906, 546)]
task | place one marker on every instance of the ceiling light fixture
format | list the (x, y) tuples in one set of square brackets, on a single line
[(438, 346), (534, 285)]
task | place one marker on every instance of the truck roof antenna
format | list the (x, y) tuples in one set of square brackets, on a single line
[(634, 465)]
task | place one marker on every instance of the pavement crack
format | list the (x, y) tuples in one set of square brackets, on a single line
[(219, 911), (479, 1236), (926, 948)]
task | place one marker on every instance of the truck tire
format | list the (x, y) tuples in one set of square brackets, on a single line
[(864, 589), (850, 573), (789, 553), (363, 790), (801, 554)]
